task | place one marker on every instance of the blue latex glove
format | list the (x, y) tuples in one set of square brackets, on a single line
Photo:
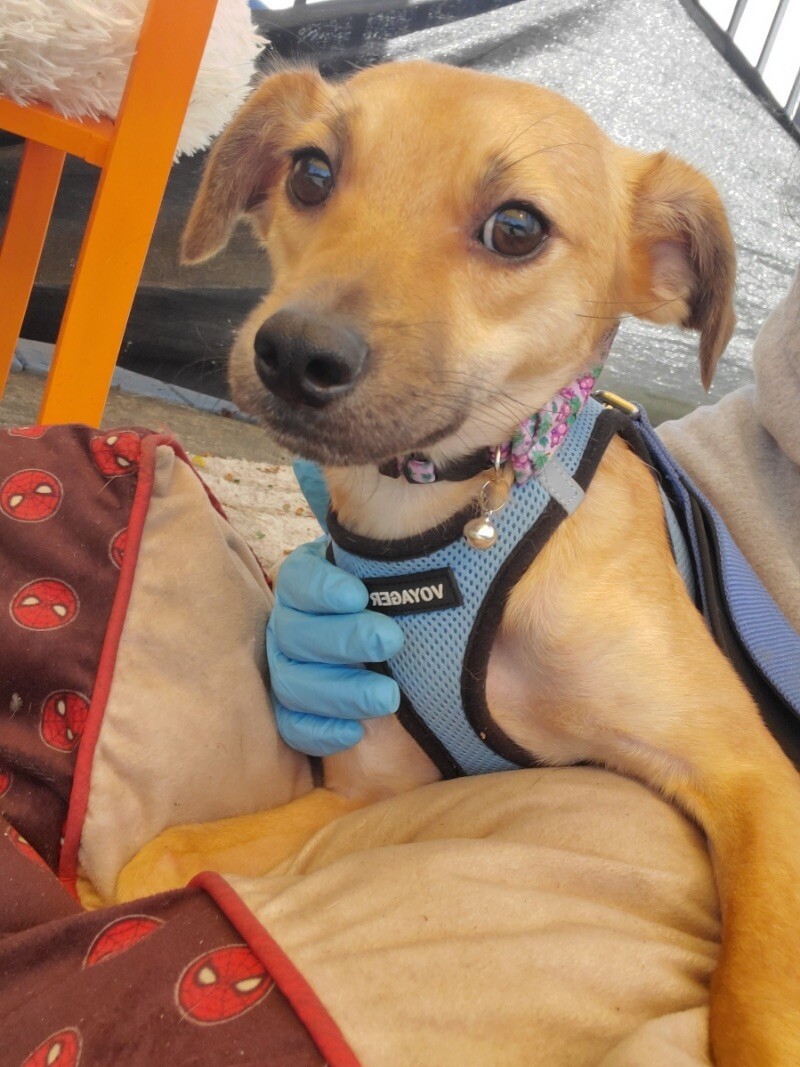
[(319, 634), (312, 484)]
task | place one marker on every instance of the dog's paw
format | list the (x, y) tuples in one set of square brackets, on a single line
[(246, 845)]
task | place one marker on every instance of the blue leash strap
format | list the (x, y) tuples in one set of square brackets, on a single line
[(763, 630)]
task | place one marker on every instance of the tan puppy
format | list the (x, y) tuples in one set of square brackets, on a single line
[(377, 200)]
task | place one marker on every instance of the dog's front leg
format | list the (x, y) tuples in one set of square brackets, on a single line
[(755, 991), (721, 767), (247, 845), (385, 763), (602, 624)]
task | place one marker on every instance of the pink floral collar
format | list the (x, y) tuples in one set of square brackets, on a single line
[(532, 443)]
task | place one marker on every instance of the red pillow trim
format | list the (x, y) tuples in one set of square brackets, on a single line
[(79, 797), (309, 1008)]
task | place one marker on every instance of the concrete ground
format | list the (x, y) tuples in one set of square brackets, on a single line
[(200, 432)]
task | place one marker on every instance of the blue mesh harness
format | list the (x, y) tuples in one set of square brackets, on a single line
[(449, 598)]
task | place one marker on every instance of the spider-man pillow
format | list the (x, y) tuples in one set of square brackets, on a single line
[(132, 697), (132, 665)]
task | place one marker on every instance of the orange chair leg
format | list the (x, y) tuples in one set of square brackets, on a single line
[(26, 228), (125, 207)]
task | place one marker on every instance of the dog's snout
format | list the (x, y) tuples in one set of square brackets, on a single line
[(309, 359)]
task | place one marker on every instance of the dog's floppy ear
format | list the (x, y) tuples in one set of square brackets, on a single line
[(245, 160), (682, 257)]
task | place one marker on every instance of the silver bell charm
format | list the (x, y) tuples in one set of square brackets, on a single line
[(481, 533)]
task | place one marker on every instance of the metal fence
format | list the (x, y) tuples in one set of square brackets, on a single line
[(761, 41)]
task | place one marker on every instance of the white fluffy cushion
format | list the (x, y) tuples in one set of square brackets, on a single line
[(75, 54)]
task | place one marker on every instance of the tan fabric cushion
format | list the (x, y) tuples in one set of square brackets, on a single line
[(187, 734), (542, 917)]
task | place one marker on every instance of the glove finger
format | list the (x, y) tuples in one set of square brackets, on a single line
[(339, 692), (312, 485), (308, 582), (314, 735), (364, 637)]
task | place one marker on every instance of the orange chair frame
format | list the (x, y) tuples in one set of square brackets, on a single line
[(134, 154)]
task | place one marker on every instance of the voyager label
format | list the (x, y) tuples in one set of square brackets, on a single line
[(407, 594)]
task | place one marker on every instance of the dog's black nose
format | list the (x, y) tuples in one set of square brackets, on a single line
[(308, 359)]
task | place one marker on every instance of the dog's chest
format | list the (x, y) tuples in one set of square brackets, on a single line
[(528, 697)]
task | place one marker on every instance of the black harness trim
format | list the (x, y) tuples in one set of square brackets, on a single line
[(609, 424), (427, 740), (778, 716), (402, 547), (317, 771)]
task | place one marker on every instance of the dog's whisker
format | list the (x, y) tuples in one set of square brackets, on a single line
[(552, 148), (645, 310), (411, 325)]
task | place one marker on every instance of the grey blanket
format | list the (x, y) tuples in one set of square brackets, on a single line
[(744, 454)]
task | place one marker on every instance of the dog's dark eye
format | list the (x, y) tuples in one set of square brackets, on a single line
[(514, 230), (311, 179)]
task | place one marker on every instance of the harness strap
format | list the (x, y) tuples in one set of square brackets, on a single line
[(778, 715), (609, 424), (558, 482), (443, 665), (743, 618), (444, 761)]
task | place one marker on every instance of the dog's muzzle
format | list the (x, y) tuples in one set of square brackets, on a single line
[(309, 358)]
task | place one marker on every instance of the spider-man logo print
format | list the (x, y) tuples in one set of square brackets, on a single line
[(28, 431), (31, 496), (117, 453), (221, 985), (63, 720), (59, 1050), (116, 550), (119, 936), (45, 604)]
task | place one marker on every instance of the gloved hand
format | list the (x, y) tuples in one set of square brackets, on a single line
[(312, 485), (319, 633)]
